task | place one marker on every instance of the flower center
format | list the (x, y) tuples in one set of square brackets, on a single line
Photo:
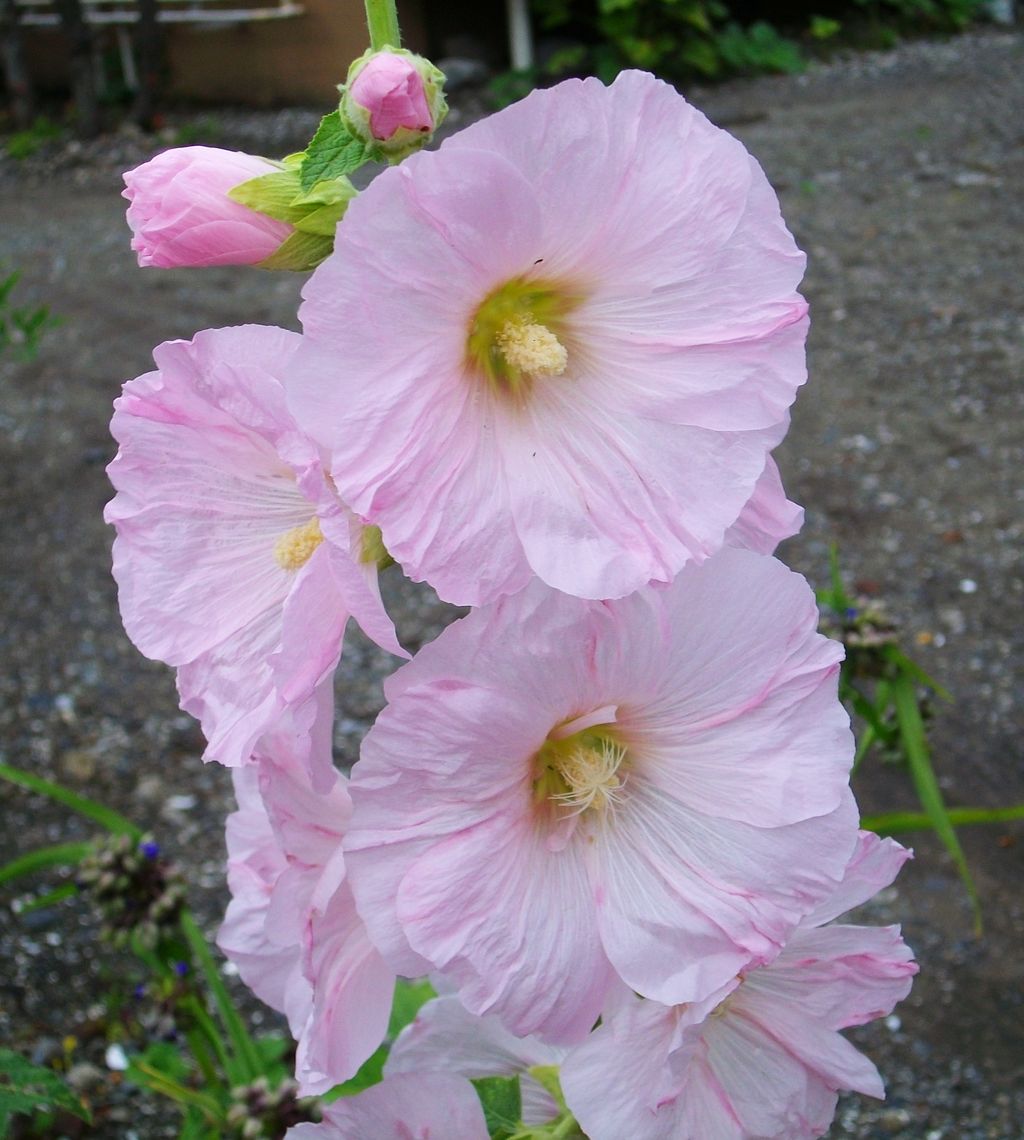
[(532, 350), (582, 772), (295, 547), (517, 335)]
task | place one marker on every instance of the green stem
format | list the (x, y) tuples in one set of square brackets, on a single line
[(382, 22)]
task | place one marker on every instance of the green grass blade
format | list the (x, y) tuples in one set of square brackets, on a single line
[(246, 1053), (915, 744), (205, 1041), (106, 817), (51, 898), (60, 855), (152, 1079), (896, 822), (907, 665)]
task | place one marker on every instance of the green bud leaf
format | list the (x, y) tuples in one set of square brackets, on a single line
[(547, 1077), (271, 194), (300, 252), (332, 152), (502, 1103)]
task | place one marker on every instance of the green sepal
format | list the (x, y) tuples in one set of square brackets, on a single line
[(270, 194), (547, 1077), (314, 212), (502, 1102), (299, 252), (333, 152)]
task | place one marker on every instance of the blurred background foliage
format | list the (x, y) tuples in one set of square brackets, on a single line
[(698, 40)]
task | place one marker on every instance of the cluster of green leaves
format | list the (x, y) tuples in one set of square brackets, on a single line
[(35, 1093), (23, 144), (21, 326), (676, 39), (683, 40), (890, 693), (922, 15)]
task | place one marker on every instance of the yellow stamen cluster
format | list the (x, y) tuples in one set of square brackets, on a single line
[(582, 772), (295, 547), (531, 349), (520, 334), (591, 772)]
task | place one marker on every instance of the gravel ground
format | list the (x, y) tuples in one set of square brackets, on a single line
[(900, 175)]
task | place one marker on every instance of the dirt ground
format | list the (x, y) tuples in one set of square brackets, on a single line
[(902, 176)]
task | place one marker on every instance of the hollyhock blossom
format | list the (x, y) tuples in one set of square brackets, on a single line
[(180, 213), (763, 1058), (414, 1106), (561, 792), (446, 1038), (291, 926), (235, 560), (768, 516), (585, 337)]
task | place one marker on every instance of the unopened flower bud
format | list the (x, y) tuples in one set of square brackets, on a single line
[(180, 212), (394, 100)]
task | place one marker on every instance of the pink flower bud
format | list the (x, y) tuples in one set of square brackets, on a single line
[(180, 212), (391, 88)]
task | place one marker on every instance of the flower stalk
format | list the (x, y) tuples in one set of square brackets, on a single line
[(382, 24)]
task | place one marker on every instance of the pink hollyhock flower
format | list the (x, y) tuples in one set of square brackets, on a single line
[(414, 1106), (585, 338), (561, 792), (389, 87), (763, 1058), (447, 1038), (768, 517), (180, 213), (291, 926), (235, 559)]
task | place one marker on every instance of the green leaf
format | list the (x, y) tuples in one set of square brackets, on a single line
[(106, 817), (60, 855), (29, 1088), (332, 152), (502, 1103), (915, 745), (165, 1058), (895, 822)]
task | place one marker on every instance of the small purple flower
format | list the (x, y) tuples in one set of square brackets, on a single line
[(150, 849), (181, 969)]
